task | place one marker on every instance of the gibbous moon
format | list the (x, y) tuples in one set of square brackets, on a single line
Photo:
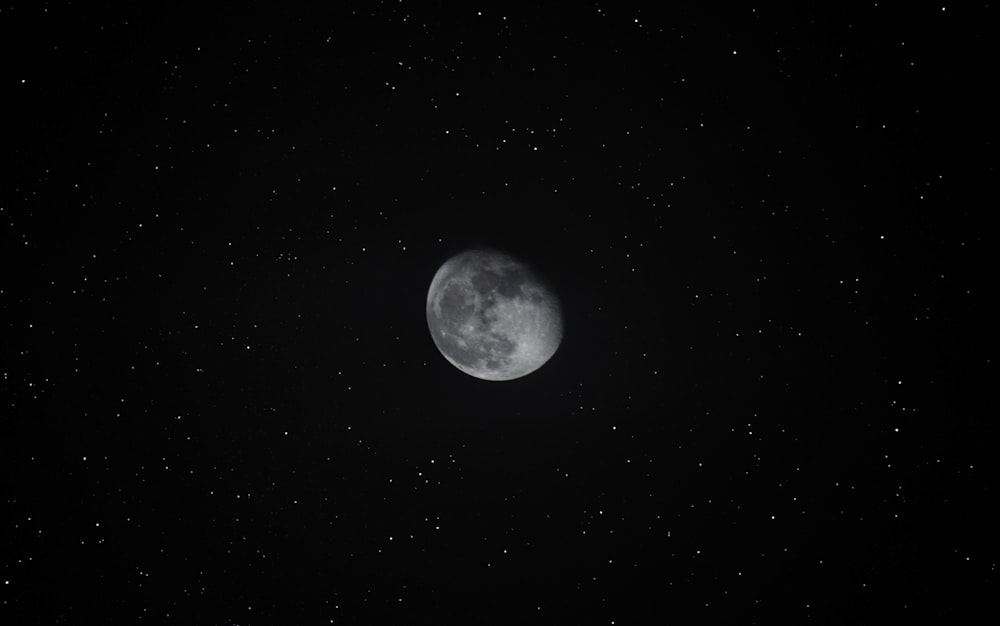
[(491, 317)]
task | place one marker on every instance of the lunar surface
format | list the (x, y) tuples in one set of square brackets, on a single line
[(491, 317)]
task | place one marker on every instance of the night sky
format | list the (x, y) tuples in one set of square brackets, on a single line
[(769, 231)]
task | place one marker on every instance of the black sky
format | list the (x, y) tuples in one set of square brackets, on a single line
[(769, 229)]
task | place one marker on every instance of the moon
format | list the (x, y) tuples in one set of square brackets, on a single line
[(492, 317)]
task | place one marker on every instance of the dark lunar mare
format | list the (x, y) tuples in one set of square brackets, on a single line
[(506, 283), (456, 304), (456, 308)]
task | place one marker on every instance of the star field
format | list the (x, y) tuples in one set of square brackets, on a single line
[(768, 229)]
